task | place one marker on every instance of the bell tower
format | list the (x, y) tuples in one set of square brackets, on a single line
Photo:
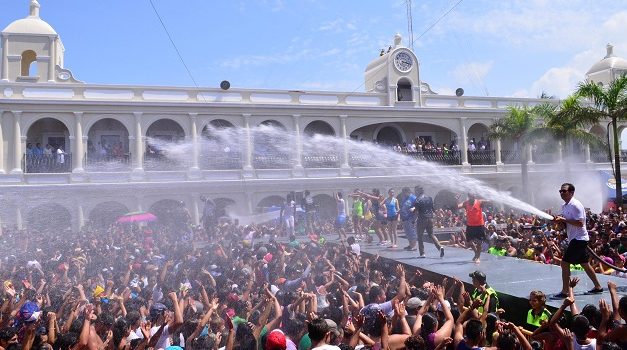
[(32, 51)]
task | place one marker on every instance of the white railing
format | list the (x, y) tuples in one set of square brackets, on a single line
[(80, 92), (95, 92)]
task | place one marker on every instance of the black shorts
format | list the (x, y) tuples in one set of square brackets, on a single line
[(576, 253), (475, 233)]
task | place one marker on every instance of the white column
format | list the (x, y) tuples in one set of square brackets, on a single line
[(194, 131), (18, 218), (298, 151), (139, 143), (4, 76), (464, 145), (80, 217), (17, 143), (529, 154), (560, 152), (588, 158), (52, 60), (195, 211), (2, 171), (345, 167), (77, 157), (248, 156), (497, 150)]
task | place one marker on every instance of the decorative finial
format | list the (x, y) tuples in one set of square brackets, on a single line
[(610, 50), (34, 8), (382, 52), (397, 40)]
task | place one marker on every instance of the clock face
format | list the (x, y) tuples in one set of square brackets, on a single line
[(403, 61)]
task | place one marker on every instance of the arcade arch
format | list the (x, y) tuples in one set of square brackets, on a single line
[(220, 146), (161, 135), (171, 213), (271, 149), (48, 147), (107, 141), (315, 154), (270, 203), (49, 217), (106, 213)]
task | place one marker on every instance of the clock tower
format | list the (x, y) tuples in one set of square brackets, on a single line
[(396, 72)]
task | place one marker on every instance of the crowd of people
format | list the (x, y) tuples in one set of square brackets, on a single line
[(222, 285)]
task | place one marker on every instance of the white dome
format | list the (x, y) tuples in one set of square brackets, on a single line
[(30, 25), (608, 62)]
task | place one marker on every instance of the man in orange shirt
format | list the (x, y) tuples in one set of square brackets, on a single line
[(475, 224)]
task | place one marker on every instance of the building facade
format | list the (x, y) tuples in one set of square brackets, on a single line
[(78, 151)]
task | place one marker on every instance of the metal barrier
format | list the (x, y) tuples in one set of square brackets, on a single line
[(47, 163), (321, 161), (272, 161), (221, 161), (159, 162), (482, 157), (108, 162)]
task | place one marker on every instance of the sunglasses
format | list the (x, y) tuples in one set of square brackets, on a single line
[(562, 191)]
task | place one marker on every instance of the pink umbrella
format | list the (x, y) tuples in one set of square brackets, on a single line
[(138, 216)]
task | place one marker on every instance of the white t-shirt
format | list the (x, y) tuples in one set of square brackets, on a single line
[(574, 210), (326, 347)]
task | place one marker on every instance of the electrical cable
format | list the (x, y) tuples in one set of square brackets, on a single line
[(173, 44), (418, 38)]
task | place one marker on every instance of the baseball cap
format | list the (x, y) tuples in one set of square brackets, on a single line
[(276, 340), (479, 276), (414, 303), (332, 326)]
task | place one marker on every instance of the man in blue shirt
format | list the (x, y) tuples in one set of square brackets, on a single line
[(423, 207)]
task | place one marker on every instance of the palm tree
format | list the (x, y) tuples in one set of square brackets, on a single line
[(518, 125), (608, 103), (566, 124)]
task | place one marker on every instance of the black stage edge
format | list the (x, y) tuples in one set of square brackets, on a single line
[(512, 278)]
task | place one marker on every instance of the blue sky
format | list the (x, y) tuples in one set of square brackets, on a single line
[(495, 48)]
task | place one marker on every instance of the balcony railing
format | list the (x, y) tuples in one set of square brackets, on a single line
[(511, 156), (47, 163), (440, 157), (273, 161), (221, 161), (321, 161), (108, 163), (482, 157), (159, 162)]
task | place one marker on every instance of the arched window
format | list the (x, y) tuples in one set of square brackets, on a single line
[(403, 90), (29, 63)]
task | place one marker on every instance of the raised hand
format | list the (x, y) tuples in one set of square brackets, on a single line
[(611, 286), (476, 303), (573, 282), (358, 321), (569, 301), (606, 312)]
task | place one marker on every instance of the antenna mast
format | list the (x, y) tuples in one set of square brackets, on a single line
[(410, 26)]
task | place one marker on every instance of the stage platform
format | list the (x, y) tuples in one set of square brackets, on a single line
[(510, 277)]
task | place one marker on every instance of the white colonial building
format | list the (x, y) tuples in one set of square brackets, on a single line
[(72, 151)]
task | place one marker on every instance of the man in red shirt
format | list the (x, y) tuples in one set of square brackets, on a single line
[(475, 224)]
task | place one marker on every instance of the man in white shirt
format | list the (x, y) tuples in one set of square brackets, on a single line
[(574, 217)]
